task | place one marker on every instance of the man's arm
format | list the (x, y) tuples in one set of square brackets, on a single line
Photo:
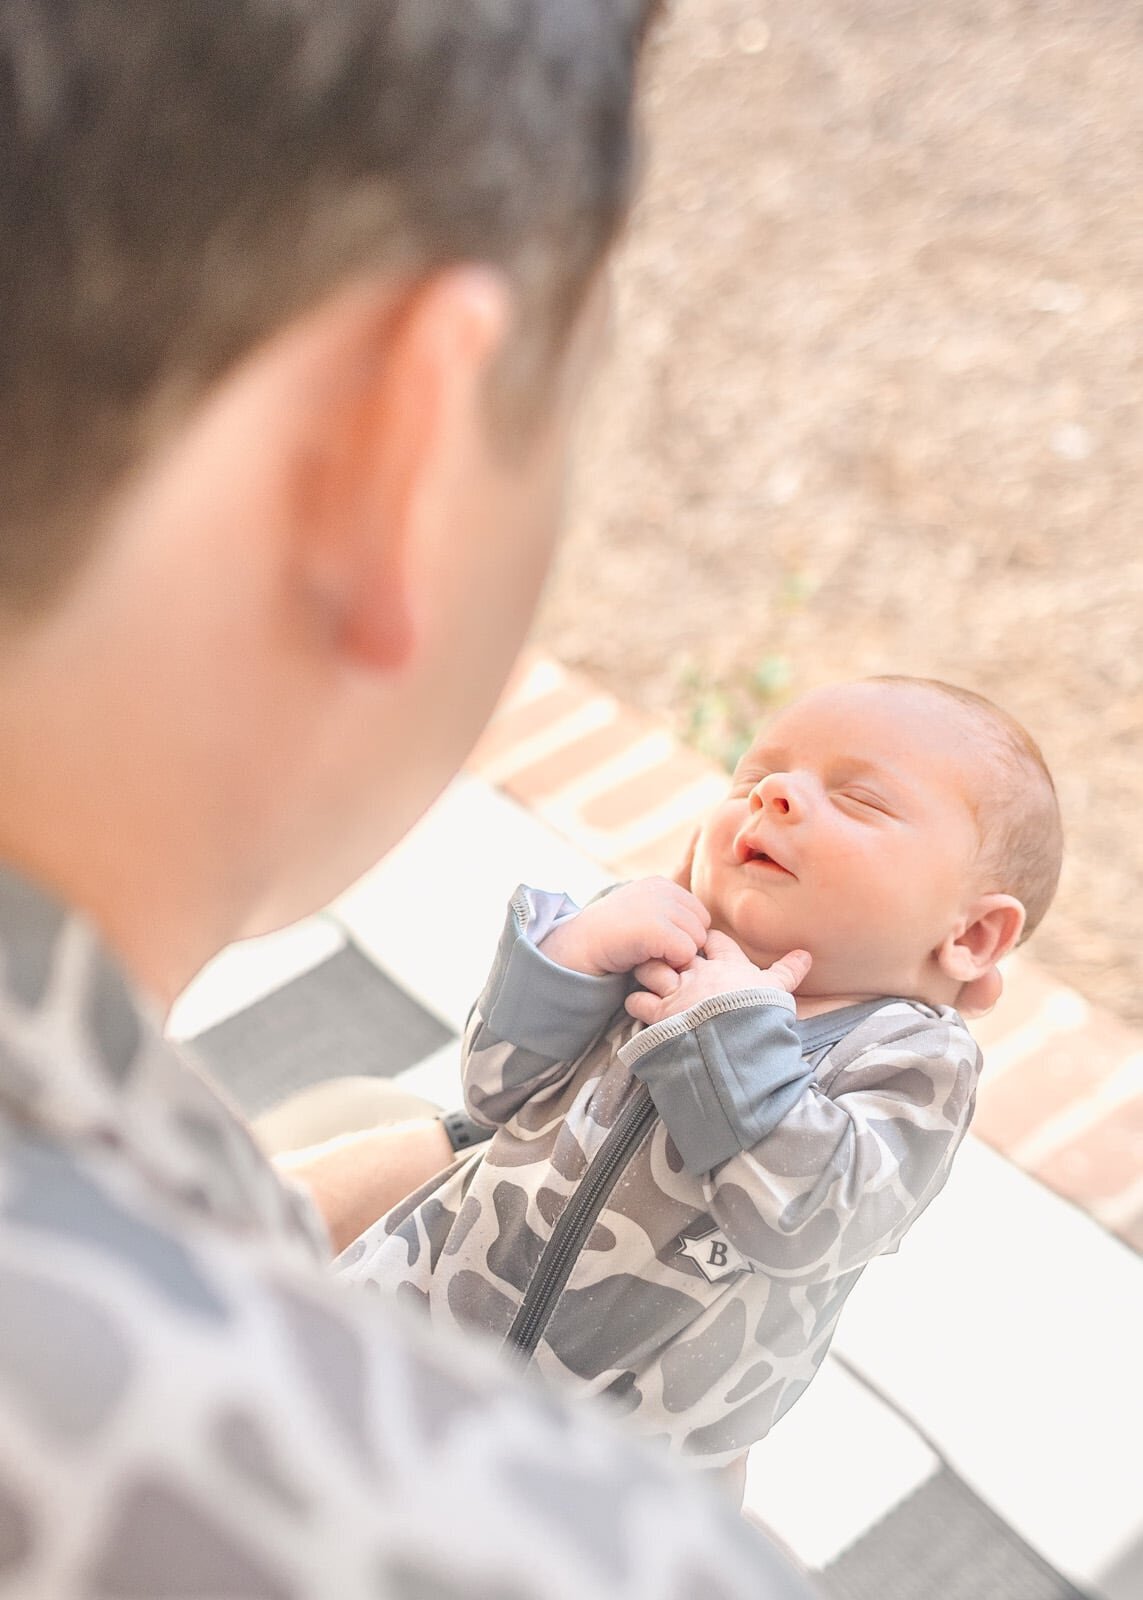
[(356, 1177)]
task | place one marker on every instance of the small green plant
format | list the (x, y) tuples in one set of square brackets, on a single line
[(720, 717), (772, 678)]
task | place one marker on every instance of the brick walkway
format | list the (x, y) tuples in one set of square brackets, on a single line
[(1062, 1090)]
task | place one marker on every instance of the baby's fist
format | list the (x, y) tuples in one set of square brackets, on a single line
[(651, 919), (722, 968)]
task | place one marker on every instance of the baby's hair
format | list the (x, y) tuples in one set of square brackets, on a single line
[(1022, 840)]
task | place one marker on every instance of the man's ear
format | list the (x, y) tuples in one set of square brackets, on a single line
[(397, 386), (990, 929)]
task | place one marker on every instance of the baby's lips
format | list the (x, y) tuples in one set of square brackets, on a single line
[(746, 848)]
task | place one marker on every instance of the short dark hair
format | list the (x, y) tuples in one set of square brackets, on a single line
[(180, 177)]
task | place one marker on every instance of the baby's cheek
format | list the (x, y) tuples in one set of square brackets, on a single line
[(700, 870), (715, 844)]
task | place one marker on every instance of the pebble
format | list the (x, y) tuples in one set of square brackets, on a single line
[(752, 37), (1071, 441)]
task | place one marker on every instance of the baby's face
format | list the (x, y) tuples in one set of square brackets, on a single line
[(849, 832)]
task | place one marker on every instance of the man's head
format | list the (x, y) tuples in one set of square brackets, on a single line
[(296, 300), (903, 831), (178, 182)]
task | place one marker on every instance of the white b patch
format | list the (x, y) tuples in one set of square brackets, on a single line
[(713, 1254)]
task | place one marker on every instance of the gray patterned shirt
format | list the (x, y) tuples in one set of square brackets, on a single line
[(756, 1164), (189, 1407)]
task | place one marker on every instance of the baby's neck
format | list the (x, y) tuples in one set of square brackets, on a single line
[(814, 1005)]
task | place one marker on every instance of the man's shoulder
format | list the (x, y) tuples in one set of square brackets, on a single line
[(184, 1409)]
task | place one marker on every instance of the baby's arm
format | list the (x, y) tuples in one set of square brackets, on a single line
[(837, 1173), (559, 977), (535, 1016)]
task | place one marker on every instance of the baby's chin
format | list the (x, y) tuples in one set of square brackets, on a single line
[(843, 983)]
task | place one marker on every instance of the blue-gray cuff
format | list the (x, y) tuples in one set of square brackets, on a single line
[(536, 1004), (724, 1074)]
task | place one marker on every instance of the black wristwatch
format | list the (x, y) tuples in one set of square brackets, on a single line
[(462, 1130)]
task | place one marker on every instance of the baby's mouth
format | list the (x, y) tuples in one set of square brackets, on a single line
[(748, 856)]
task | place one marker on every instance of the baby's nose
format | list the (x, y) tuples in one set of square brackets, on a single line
[(776, 793)]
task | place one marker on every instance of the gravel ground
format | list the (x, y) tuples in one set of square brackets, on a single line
[(873, 399)]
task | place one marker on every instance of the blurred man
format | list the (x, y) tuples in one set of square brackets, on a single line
[(297, 299)]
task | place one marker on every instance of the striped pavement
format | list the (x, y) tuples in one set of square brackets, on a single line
[(1062, 1091)]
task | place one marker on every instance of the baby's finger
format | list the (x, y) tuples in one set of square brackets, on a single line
[(681, 942), (677, 946), (791, 970), (657, 976), (643, 1007), (694, 917), (693, 904), (681, 907), (719, 946)]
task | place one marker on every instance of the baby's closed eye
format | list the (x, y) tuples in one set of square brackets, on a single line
[(864, 800), (744, 781)]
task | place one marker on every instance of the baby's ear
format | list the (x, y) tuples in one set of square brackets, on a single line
[(992, 926)]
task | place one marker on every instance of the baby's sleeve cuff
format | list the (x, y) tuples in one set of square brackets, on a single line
[(723, 1074), (535, 1003)]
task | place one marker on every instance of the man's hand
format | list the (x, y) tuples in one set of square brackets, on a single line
[(652, 919), (720, 969)]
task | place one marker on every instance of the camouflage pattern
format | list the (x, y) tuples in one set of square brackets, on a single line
[(189, 1407), (707, 1293)]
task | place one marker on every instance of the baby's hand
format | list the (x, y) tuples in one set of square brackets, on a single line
[(720, 969), (649, 920)]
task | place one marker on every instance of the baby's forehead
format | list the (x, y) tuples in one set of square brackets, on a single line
[(871, 718), (911, 740)]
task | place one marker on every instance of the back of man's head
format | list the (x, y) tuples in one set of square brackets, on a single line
[(178, 180)]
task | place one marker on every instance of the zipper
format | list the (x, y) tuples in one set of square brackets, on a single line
[(580, 1215), (570, 1233)]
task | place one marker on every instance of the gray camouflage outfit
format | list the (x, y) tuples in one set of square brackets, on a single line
[(674, 1215), (189, 1408)]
